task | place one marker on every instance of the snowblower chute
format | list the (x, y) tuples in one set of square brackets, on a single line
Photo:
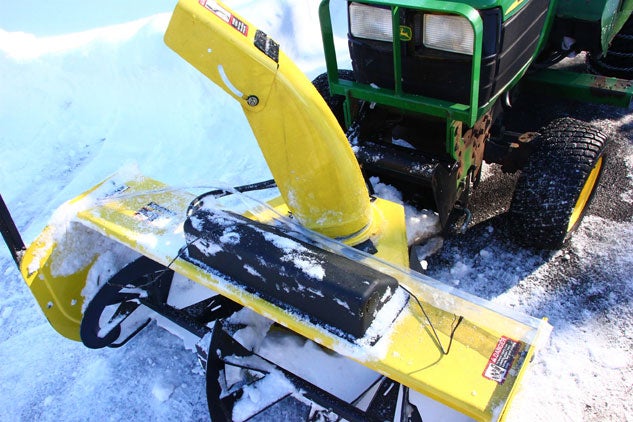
[(323, 260), (300, 139)]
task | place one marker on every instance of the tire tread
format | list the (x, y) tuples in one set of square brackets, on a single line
[(548, 187)]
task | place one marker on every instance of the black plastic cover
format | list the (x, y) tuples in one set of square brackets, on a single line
[(322, 286), (267, 45), (520, 37)]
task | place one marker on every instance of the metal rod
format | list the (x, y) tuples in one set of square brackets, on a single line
[(10, 233)]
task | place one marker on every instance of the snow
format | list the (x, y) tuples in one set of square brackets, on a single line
[(298, 255), (162, 392), (422, 225), (88, 88)]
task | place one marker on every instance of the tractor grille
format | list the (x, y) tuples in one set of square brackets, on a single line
[(507, 47), (520, 37)]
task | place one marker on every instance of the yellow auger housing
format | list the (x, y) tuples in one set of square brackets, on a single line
[(303, 144)]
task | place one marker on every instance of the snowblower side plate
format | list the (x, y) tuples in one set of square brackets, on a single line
[(455, 348)]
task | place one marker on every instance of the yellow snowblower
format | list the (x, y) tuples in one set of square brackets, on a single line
[(324, 260)]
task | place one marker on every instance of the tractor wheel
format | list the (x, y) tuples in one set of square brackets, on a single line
[(335, 102), (557, 185), (618, 61)]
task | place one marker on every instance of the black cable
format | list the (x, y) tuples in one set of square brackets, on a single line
[(158, 274), (219, 193), (428, 319)]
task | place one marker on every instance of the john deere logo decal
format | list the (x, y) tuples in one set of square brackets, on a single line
[(406, 34)]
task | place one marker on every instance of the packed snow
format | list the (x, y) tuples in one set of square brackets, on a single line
[(87, 88)]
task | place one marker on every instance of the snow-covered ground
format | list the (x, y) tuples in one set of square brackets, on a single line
[(87, 88)]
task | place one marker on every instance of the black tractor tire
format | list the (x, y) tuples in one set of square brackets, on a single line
[(618, 61), (335, 102), (556, 186)]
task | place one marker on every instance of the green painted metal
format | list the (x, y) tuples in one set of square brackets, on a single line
[(397, 98), (476, 4), (327, 36), (468, 113), (586, 10), (407, 102), (611, 24), (581, 86), (611, 14), (397, 50), (589, 88), (451, 136)]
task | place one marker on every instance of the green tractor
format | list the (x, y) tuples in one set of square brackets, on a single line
[(432, 80)]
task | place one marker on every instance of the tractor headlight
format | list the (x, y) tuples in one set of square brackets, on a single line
[(448, 33), (370, 22)]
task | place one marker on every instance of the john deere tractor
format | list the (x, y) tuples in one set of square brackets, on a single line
[(431, 81)]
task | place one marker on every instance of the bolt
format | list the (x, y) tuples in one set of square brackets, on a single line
[(252, 100)]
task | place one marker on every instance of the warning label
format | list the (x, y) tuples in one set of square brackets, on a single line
[(153, 212), (239, 25), (502, 359), (225, 15)]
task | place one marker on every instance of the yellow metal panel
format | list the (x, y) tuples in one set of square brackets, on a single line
[(211, 44), (389, 232), (59, 296), (303, 144)]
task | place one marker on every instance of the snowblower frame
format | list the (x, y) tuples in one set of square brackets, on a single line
[(124, 239), (324, 259), (10, 233)]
